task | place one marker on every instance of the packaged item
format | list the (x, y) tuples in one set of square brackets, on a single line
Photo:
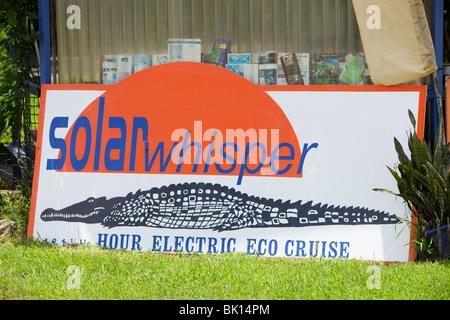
[(291, 69), (325, 68), (304, 62), (141, 62), (185, 50), (248, 71), (239, 58), (158, 59), (109, 70), (267, 73), (219, 52), (124, 66), (355, 66)]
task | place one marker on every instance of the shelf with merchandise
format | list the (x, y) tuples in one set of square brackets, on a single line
[(261, 68)]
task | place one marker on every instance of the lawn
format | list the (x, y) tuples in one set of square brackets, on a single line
[(40, 271)]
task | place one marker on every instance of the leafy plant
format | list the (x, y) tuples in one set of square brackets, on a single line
[(18, 46), (425, 248), (423, 181), (15, 207)]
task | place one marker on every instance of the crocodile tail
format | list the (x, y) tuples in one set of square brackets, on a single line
[(318, 214), (308, 214), (278, 214)]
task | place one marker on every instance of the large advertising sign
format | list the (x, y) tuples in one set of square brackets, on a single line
[(188, 157)]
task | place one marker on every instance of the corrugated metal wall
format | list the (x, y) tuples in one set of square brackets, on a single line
[(144, 26)]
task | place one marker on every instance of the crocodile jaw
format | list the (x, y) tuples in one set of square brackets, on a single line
[(95, 215)]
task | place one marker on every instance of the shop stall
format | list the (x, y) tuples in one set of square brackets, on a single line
[(215, 126)]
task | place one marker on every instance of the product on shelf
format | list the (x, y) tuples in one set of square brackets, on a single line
[(185, 50)]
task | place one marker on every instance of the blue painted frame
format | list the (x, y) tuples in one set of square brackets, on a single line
[(437, 32), (44, 41)]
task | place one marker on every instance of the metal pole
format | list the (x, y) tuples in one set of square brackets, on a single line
[(44, 41), (438, 39)]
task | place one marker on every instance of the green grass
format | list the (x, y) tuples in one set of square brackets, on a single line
[(34, 270)]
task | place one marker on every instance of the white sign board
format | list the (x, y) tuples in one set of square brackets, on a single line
[(187, 157)]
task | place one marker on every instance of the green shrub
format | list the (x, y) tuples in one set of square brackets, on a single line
[(423, 181), (16, 208)]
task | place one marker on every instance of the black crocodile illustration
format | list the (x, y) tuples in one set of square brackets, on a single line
[(210, 206)]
